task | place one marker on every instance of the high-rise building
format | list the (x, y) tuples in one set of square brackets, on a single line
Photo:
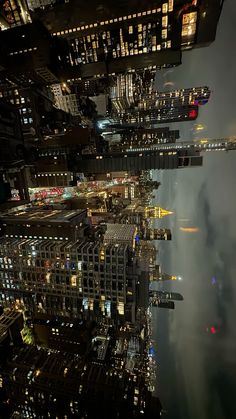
[(139, 160), (52, 263), (138, 139), (111, 38), (44, 224), (64, 99), (11, 139), (41, 382), (175, 98), (132, 92), (36, 109), (29, 55), (126, 89), (163, 115), (203, 144), (156, 233)]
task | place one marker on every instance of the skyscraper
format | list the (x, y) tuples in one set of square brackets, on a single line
[(42, 382), (139, 160), (63, 268), (156, 233), (110, 38), (161, 115), (175, 98), (29, 55), (141, 139), (11, 139), (153, 212), (126, 96)]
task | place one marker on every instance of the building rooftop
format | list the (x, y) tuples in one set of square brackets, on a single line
[(44, 216), (120, 233)]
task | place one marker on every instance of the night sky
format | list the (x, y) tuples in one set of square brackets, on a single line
[(196, 343)]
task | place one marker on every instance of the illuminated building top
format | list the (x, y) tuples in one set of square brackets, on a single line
[(155, 212)]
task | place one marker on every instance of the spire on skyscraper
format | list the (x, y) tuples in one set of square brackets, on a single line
[(156, 212)]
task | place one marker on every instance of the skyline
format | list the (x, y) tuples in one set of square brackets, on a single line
[(102, 295)]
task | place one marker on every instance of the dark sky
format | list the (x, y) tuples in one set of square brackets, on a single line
[(197, 369)]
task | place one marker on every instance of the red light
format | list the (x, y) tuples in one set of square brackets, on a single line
[(213, 330), (192, 114)]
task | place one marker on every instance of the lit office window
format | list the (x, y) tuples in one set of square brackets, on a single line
[(164, 21), (165, 8), (171, 5), (164, 33)]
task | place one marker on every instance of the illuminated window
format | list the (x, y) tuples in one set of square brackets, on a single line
[(164, 21), (165, 8), (164, 33), (73, 280), (171, 5)]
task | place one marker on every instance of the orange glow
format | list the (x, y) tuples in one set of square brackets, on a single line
[(189, 229)]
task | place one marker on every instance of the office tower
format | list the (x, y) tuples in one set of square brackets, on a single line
[(74, 273), (37, 112), (164, 299), (111, 38), (11, 140), (29, 55), (14, 13), (41, 382), (145, 160), (175, 98), (57, 156), (126, 89), (203, 144), (156, 233), (92, 87), (162, 115), (164, 295), (64, 99), (42, 224), (136, 91), (141, 139)]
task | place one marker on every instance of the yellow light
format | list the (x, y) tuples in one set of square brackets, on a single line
[(73, 280), (189, 229)]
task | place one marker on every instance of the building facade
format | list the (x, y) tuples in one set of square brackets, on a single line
[(162, 115), (110, 38), (139, 160), (58, 265), (11, 139), (65, 101)]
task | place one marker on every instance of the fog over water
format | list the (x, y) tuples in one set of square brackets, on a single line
[(196, 343)]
